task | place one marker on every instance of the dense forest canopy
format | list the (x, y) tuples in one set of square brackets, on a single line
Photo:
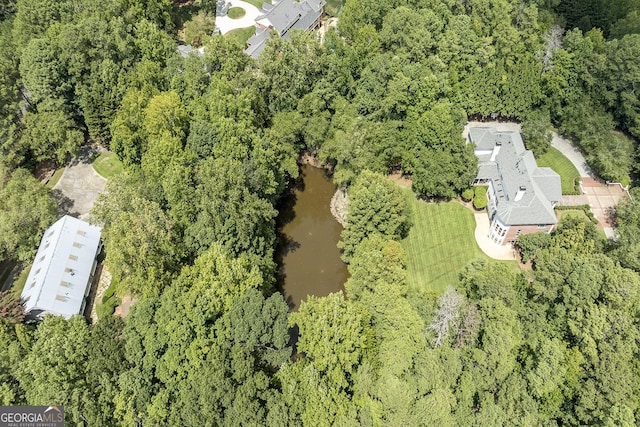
[(209, 144)]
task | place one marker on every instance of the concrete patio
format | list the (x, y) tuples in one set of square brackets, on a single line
[(488, 246)]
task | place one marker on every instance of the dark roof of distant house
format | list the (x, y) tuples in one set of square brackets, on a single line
[(289, 14), (185, 50), (257, 43), (503, 160)]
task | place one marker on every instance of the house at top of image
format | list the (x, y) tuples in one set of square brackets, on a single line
[(521, 196), (62, 272), (283, 16)]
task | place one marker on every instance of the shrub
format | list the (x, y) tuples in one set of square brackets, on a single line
[(530, 244), (584, 208), (467, 195), (198, 28), (480, 199)]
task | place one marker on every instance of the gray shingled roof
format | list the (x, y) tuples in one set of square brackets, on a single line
[(257, 43), (288, 14), (513, 168)]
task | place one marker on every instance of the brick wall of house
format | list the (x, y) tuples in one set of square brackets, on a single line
[(512, 233)]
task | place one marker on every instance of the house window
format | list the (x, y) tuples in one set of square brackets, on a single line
[(73, 257), (518, 233), (542, 225)]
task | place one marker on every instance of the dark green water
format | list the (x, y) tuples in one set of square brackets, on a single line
[(307, 256)]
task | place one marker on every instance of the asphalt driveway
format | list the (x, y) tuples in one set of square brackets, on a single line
[(79, 186)]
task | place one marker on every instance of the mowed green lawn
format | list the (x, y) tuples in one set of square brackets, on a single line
[(241, 34), (440, 244), (569, 175), (108, 165)]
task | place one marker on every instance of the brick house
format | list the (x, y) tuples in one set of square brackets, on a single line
[(521, 196)]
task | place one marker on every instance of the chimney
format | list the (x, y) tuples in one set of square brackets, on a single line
[(520, 193), (496, 150)]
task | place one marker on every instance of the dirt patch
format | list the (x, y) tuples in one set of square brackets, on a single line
[(311, 158), (44, 171), (400, 179), (95, 297), (123, 309)]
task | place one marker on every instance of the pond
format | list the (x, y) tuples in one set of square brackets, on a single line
[(307, 256)]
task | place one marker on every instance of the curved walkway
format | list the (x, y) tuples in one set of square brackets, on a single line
[(573, 154), (226, 24), (488, 246), (79, 186)]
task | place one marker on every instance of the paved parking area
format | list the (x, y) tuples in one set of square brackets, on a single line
[(226, 24), (79, 186), (601, 198)]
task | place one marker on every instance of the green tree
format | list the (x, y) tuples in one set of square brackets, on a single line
[(141, 241), (17, 341), (9, 95), (44, 76), (11, 309), (627, 244), (231, 211), (536, 132), (198, 28), (55, 370), (334, 334), (376, 206), (26, 210), (127, 130), (51, 135)]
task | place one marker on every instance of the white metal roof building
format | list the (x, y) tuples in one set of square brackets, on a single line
[(62, 270)]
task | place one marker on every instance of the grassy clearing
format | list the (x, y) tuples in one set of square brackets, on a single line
[(569, 175), (107, 165), (241, 34), (333, 7), (109, 302), (21, 280), (55, 178), (258, 3), (440, 244), (236, 13)]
